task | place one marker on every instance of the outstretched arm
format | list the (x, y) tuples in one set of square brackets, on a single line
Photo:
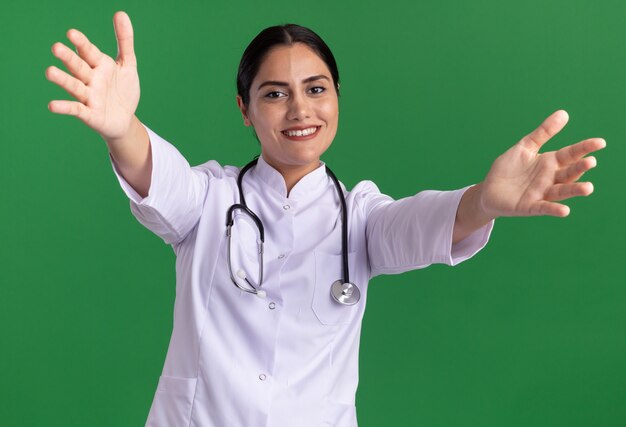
[(523, 182), (106, 93)]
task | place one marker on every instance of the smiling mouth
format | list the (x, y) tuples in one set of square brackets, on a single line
[(302, 133)]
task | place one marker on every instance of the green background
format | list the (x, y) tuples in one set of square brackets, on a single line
[(528, 333)]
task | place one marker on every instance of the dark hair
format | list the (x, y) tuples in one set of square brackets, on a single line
[(271, 37)]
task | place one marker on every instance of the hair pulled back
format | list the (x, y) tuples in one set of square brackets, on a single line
[(280, 35)]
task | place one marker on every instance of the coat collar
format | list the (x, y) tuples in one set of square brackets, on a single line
[(309, 185)]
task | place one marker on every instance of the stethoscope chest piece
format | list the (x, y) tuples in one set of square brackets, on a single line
[(345, 293)]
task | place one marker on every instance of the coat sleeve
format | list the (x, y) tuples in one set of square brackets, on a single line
[(177, 192), (416, 231)]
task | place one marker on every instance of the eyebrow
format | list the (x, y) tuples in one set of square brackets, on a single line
[(279, 83)]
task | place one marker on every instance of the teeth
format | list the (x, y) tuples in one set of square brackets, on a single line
[(303, 132)]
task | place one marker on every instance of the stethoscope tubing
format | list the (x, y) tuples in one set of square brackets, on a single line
[(253, 289), (344, 228)]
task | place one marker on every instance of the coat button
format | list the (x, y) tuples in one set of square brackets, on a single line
[(272, 305), (262, 377), (286, 207), (281, 256)]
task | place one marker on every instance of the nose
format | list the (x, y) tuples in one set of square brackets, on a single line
[(299, 107)]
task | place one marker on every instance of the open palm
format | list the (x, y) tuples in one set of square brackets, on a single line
[(523, 182), (106, 91)]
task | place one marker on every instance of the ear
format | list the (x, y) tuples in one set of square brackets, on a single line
[(244, 111)]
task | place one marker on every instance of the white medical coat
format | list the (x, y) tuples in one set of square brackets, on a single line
[(291, 359)]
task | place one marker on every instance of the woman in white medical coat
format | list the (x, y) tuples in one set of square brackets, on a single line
[(288, 356)]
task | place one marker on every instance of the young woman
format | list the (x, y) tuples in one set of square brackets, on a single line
[(273, 260)]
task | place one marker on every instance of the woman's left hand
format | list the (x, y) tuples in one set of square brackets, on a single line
[(523, 182)]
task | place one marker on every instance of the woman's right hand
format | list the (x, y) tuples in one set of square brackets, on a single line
[(106, 90)]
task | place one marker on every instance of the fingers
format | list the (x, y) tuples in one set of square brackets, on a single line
[(550, 127), (549, 208), (73, 62), (86, 50), (72, 85), (574, 172), (125, 38), (574, 152), (565, 191), (70, 108)]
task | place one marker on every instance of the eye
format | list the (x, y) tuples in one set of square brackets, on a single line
[(275, 94), (317, 90)]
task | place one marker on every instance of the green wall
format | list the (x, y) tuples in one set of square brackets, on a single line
[(528, 333)]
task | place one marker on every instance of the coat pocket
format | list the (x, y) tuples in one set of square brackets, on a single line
[(328, 269), (172, 402)]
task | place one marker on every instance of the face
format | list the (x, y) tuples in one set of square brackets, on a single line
[(293, 108)]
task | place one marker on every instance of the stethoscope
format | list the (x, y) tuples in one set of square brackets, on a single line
[(342, 291)]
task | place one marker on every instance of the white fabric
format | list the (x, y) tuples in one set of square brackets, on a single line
[(232, 359)]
